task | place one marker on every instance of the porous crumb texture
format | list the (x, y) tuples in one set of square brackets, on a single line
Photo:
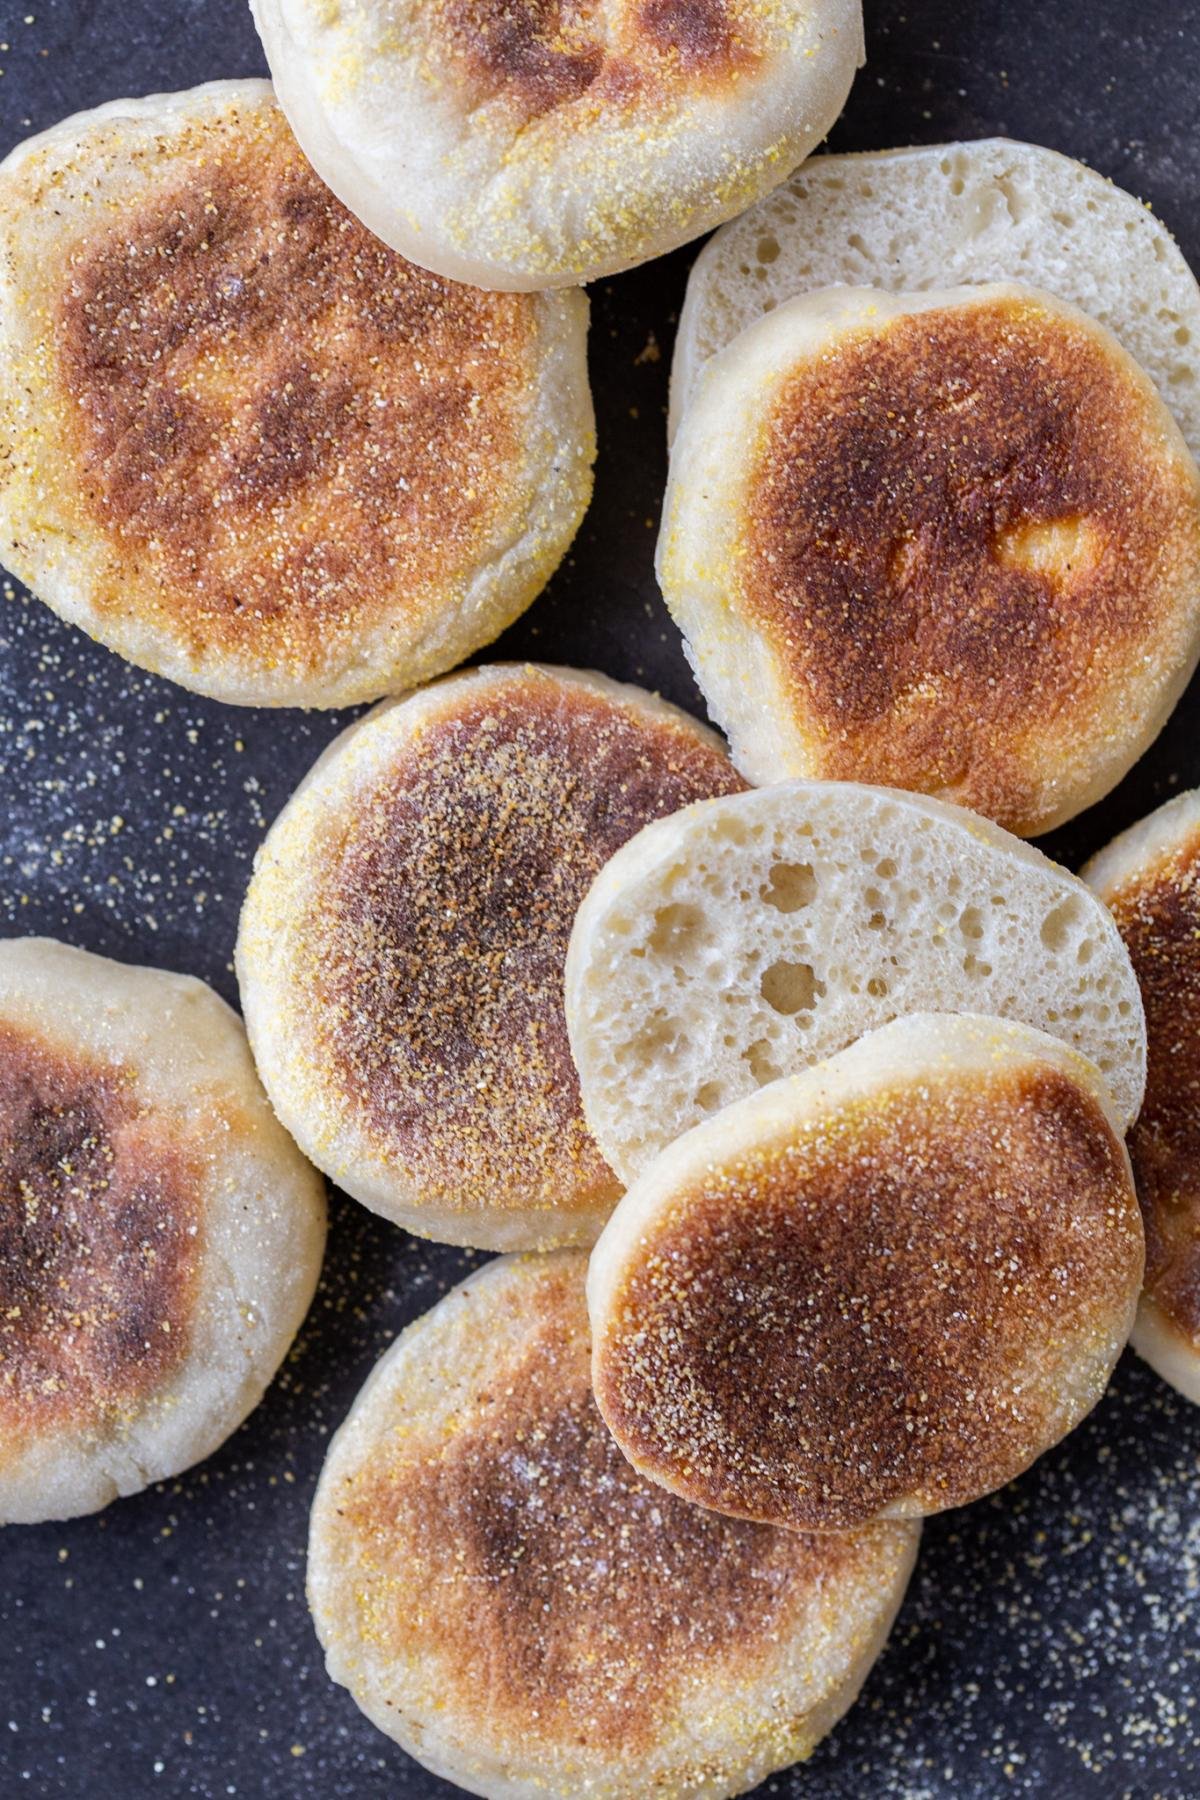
[(933, 217), (404, 937), (246, 444), (502, 1592), (759, 935), (885, 1297)]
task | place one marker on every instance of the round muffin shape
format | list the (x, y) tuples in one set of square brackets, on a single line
[(541, 144), (402, 944), (947, 541), (753, 935), (246, 445), (1150, 877), (160, 1234), (510, 1602), (875, 1290), (937, 215)]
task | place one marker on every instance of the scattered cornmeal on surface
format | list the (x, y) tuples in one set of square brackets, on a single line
[(878, 1289), (160, 1234), (402, 944), (947, 541), (244, 443), (506, 1598), (1150, 877)]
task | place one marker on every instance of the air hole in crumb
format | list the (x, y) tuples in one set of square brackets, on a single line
[(762, 1067), (709, 1096), (970, 923), (661, 1033), (974, 967), (886, 870), (792, 886), (1056, 926), (877, 987), (675, 927), (791, 987), (767, 249)]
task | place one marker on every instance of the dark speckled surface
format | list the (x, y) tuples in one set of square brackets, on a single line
[(1050, 1640)]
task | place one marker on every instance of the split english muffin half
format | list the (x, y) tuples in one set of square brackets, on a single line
[(874, 1290), (751, 935), (936, 216)]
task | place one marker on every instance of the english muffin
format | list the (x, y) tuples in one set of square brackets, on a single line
[(937, 215), (875, 1290), (751, 936), (402, 945), (544, 143), (1150, 876), (245, 444), (160, 1234), (505, 1597), (946, 541)]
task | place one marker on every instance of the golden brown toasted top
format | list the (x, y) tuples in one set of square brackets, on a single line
[(961, 529), (285, 431), (440, 924), (860, 1315), (562, 1597), (1158, 915), (100, 1238), (541, 56)]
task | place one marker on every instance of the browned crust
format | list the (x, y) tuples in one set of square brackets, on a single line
[(566, 1600), (285, 432), (100, 1241), (898, 507), (440, 921), (1158, 914), (884, 1307), (543, 55)]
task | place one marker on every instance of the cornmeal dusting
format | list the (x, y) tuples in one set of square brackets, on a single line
[(560, 1599), (904, 1301), (437, 930), (962, 529), (288, 436)]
